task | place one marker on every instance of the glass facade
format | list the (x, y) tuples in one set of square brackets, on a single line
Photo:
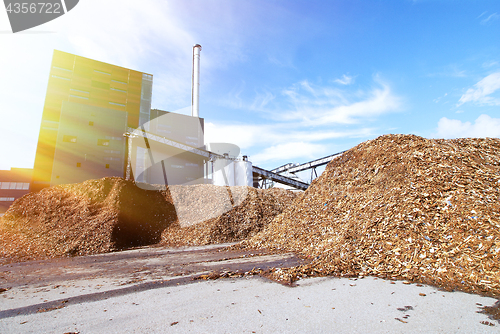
[(89, 145), (89, 82)]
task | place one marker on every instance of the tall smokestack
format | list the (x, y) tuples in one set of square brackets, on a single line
[(195, 82)]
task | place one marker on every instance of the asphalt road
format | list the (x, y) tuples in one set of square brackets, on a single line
[(151, 290)]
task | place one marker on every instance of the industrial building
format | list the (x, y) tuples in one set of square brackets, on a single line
[(163, 163), (107, 91), (97, 121), (89, 108)]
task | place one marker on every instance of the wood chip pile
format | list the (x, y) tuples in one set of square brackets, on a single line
[(99, 216), (400, 206), (95, 216), (235, 213)]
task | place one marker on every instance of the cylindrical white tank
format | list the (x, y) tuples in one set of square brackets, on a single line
[(243, 173), (223, 173)]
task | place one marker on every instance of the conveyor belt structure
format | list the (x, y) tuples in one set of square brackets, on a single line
[(256, 171)]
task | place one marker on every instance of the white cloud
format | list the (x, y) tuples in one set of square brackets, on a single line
[(345, 80), (243, 135), (490, 63), (481, 91), (113, 35), (254, 135), (451, 70), (324, 105), (156, 37), (281, 62), (315, 105), (490, 18), (161, 46), (262, 100), (304, 120), (484, 126), (290, 151), (482, 14), (272, 141), (437, 100)]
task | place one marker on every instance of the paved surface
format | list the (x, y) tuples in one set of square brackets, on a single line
[(38, 285), (151, 291)]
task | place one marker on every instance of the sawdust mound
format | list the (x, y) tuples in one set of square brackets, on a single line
[(228, 214), (400, 206), (95, 216)]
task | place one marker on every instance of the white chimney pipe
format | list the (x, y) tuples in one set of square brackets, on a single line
[(195, 82)]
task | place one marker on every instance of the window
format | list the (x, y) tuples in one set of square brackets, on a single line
[(15, 185), (118, 90), (117, 104), (79, 91), (7, 199), (107, 165), (69, 139), (78, 164), (102, 72), (103, 142), (91, 123), (79, 97), (124, 83), (58, 77), (60, 68)]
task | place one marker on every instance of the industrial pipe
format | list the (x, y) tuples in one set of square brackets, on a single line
[(195, 82)]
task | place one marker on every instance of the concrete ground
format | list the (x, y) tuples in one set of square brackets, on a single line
[(151, 291)]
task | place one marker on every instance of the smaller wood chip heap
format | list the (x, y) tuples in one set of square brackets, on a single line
[(235, 213), (400, 206), (95, 216)]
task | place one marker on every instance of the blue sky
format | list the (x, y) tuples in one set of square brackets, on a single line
[(287, 81)]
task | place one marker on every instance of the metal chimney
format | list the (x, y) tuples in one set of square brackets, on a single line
[(195, 82)]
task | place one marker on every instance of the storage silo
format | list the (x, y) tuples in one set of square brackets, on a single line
[(243, 173), (223, 172)]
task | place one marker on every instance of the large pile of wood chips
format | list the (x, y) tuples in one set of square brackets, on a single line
[(400, 206)]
